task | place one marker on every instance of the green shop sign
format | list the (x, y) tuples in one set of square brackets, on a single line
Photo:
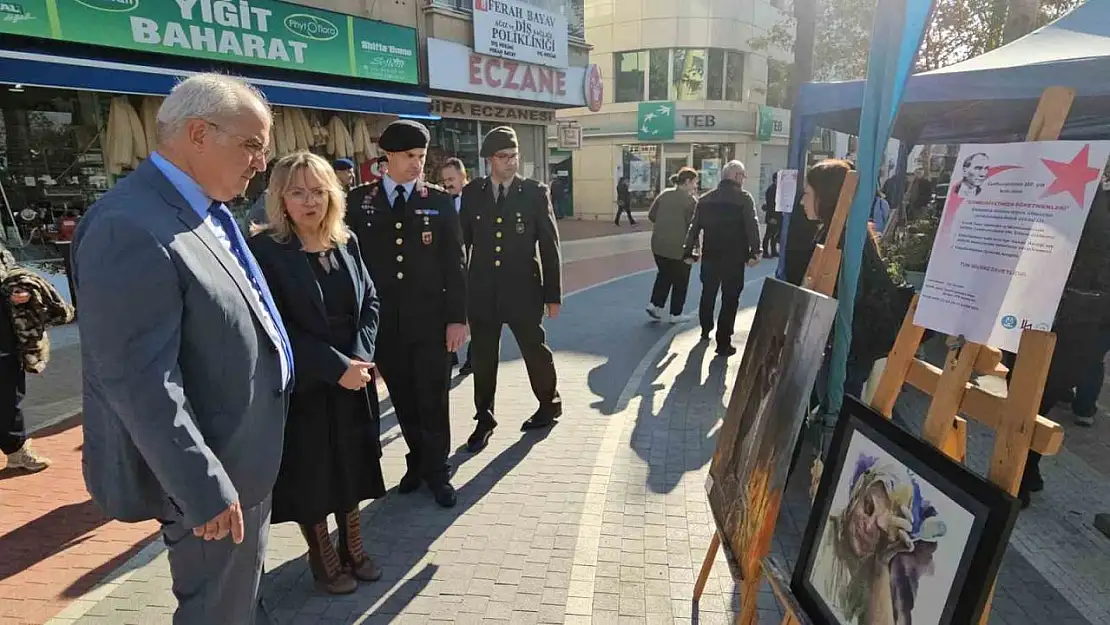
[(255, 32), (655, 121)]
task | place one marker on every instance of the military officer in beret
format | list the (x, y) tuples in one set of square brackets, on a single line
[(412, 246), (515, 277)]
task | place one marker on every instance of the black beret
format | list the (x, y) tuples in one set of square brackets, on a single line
[(500, 138), (403, 135)]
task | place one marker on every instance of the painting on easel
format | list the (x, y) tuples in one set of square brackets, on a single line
[(899, 534), (768, 404)]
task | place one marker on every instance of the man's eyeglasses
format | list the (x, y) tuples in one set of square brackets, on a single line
[(253, 146)]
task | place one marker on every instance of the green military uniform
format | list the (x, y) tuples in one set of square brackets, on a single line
[(515, 270), (413, 250)]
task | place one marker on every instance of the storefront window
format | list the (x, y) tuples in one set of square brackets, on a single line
[(708, 159), (688, 74), (641, 166), (51, 165), (630, 70), (456, 138), (734, 77)]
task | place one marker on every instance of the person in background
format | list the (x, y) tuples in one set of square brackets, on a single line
[(558, 194), (1082, 328), (624, 202), (672, 213), (880, 213), (880, 303), (727, 216), (772, 221), (18, 301), (920, 196), (455, 178), (185, 359), (330, 460), (344, 169), (409, 235), (515, 278)]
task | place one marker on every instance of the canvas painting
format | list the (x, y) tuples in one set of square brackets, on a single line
[(899, 534), (764, 416)]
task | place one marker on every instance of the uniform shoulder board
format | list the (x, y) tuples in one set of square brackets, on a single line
[(435, 188)]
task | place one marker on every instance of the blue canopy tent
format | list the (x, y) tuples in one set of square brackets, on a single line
[(990, 98)]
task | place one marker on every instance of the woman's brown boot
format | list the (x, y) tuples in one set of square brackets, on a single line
[(324, 562), (351, 550)]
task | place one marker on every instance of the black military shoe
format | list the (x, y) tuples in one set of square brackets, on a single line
[(544, 418), (444, 494), (409, 483), (725, 350), (480, 438)]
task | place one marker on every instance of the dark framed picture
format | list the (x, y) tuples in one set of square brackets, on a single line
[(899, 527)]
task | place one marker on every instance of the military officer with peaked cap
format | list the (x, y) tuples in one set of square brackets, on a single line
[(411, 243), (515, 277)]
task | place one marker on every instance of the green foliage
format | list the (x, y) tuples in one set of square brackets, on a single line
[(961, 29), (911, 248)]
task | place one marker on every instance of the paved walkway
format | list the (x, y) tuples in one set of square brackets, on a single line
[(604, 518)]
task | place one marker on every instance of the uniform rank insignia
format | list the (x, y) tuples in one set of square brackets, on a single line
[(423, 191), (520, 227), (426, 237)]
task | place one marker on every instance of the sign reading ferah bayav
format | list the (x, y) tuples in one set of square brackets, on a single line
[(255, 32), (655, 121), (513, 29)]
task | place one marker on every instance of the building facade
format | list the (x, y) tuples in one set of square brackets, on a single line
[(483, 73), (685, 84)]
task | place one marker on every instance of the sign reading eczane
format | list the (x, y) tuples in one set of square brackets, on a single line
[(514, 29)]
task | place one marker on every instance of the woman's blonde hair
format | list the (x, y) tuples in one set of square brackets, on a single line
[(333, 229)]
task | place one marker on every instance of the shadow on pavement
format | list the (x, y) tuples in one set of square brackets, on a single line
[(47, 536)]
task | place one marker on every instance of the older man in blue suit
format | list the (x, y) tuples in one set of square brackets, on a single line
[(186, 362)]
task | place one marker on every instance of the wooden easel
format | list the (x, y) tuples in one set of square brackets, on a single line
[(1018, 428), (820, 276)]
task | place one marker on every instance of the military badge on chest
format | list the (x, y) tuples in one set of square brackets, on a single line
[(519, 224)]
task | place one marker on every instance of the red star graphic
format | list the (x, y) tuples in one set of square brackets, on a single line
[(1072, 177)]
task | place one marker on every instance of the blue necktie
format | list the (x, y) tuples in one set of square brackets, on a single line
[(223, 217)]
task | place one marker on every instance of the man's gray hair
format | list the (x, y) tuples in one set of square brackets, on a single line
[(731, 168), (209, 96)]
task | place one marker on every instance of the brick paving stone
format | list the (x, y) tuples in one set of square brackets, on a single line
[(602, 520)]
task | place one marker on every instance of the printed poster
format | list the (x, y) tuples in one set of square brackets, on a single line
[(710, 173), (786, 191), (639, 176), (1007, 238)]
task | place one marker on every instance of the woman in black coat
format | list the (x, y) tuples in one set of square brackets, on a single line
[(332, 455)]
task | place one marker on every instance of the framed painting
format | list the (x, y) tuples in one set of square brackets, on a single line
[(765, 414), (899, 533)]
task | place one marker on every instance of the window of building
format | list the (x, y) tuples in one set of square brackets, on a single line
[(734, 76), (688, 74), (709, 159), (630, 70), (659, 74), (715, 85), (778, 84)]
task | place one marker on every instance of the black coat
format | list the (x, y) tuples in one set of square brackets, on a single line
[(727, 215), (515, 258), (331, 456), (415, 259)]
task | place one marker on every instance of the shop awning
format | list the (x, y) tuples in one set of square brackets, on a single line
[(43, 70)]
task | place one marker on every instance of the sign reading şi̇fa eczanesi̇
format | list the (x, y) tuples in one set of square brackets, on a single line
[(517, 30), (255, 32)]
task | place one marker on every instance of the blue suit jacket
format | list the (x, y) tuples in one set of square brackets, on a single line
[(183, 398)]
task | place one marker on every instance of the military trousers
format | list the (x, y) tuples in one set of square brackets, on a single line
[(418, 376), (485, 349)]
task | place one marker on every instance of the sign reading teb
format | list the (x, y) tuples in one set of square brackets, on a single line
[(516, 30), (655, 121)]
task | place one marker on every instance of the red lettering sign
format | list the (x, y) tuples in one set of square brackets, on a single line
[(516, 76)]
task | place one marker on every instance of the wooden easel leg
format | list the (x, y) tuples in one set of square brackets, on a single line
[(749, 595), (707, 566)]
